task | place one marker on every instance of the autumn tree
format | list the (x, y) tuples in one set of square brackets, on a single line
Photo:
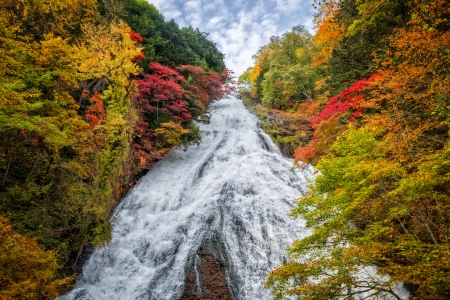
[(368, 25), (61, 90), (329, 32), (339, 111), (161, 110), (283, 73), (28, 272)]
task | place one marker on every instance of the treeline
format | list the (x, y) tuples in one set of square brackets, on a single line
[(375, 82), (92, 95)]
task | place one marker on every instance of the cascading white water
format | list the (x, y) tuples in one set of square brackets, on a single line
[(234, 190)]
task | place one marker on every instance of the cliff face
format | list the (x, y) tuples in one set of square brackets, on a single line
[(289, 131)]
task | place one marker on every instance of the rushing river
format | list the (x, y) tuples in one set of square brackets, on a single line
[(231, 194)]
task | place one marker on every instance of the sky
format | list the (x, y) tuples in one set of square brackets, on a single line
[(239, 28)]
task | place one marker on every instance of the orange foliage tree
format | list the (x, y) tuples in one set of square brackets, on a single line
[(329, 32), (26, 271)]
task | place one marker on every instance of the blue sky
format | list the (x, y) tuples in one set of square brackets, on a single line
[(239, 28)]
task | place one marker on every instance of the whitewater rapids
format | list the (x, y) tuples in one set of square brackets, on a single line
[(233, 192)]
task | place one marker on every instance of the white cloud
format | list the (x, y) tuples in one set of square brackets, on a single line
[(239, 28)]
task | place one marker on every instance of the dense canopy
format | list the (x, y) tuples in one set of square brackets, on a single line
[(377, 99), (92, 94)]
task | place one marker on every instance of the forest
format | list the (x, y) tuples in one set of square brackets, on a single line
[(373, 81), (92, 94)]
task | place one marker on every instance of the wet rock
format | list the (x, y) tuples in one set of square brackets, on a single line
[(206, 281)]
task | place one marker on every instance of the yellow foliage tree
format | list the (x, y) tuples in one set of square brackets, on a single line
[(170, 135), (105, 55)]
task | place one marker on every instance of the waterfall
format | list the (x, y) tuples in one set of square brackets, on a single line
[(230, 196)]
